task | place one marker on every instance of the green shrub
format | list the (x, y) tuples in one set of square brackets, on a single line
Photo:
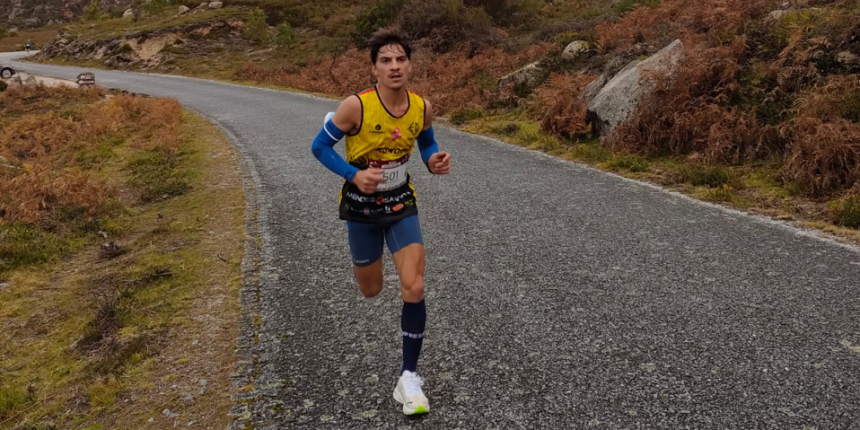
[(508, 12), (3, 86), (381, 15), (286, 36), (847, 211), (92, 12), (448, 25), (256, 29)]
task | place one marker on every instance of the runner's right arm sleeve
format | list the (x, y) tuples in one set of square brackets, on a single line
[(323, 149)]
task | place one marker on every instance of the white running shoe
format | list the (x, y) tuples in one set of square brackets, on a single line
[(408, 392)]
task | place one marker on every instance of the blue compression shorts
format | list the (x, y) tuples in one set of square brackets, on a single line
[(365, 240)]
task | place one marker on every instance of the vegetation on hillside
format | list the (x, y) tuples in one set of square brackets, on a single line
[(761, 84)]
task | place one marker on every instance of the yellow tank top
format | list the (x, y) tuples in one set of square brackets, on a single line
[(382, 136), (382, 141)]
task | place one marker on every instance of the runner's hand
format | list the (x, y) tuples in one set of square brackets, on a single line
[(367, 180), (440, 163)]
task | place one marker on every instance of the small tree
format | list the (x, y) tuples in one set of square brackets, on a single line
[(286, 35), (92, 11), (256, 29)]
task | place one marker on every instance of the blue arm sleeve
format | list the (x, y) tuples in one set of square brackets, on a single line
[(427, 144), (323, 149)]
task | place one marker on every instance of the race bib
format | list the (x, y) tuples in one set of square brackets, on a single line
[(394, 173)]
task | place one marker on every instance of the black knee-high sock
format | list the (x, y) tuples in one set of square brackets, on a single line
[(412, 322)]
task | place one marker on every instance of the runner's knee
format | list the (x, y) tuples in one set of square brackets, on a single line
[(414, 288), (370, 290)]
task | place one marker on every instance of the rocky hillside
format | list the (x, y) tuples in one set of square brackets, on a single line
[(23, 14), (770, 86)]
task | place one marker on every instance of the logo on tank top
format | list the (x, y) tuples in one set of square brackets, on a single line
[(377, 129), (396, 134), (413, 128)]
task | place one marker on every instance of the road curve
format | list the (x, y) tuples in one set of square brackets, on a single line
[(558, 296)]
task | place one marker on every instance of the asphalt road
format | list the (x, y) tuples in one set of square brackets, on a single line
[(558, 296)]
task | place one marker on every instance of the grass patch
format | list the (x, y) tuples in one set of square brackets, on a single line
[(39, 36), (462, 116), (709, 176), (92, 336), (22, 245), (629, 162), (158, 175), (13, 400)]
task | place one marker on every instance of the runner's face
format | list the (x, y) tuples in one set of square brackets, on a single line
[(392, 69)]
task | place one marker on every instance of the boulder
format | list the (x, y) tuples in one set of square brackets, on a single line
[(216, 5), (621, 95), (529, 76), (575, 49), (31, 22), (128, 14), (183, 10)]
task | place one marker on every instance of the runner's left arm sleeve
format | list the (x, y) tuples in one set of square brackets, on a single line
[(427, 145), (323, 149)]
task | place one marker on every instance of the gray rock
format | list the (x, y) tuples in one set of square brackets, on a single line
[(183, 10), (128, 14), (31, 22), (216, 5), (530, 76), (777, 15), (574, 49), (621, 95), (848, 59), (30, 81)]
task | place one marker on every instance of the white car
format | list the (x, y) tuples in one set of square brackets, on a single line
[(6, 72)]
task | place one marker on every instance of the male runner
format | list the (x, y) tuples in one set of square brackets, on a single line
[(381, 125)]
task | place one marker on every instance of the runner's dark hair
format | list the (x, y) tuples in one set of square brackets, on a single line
[(388, 36)]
